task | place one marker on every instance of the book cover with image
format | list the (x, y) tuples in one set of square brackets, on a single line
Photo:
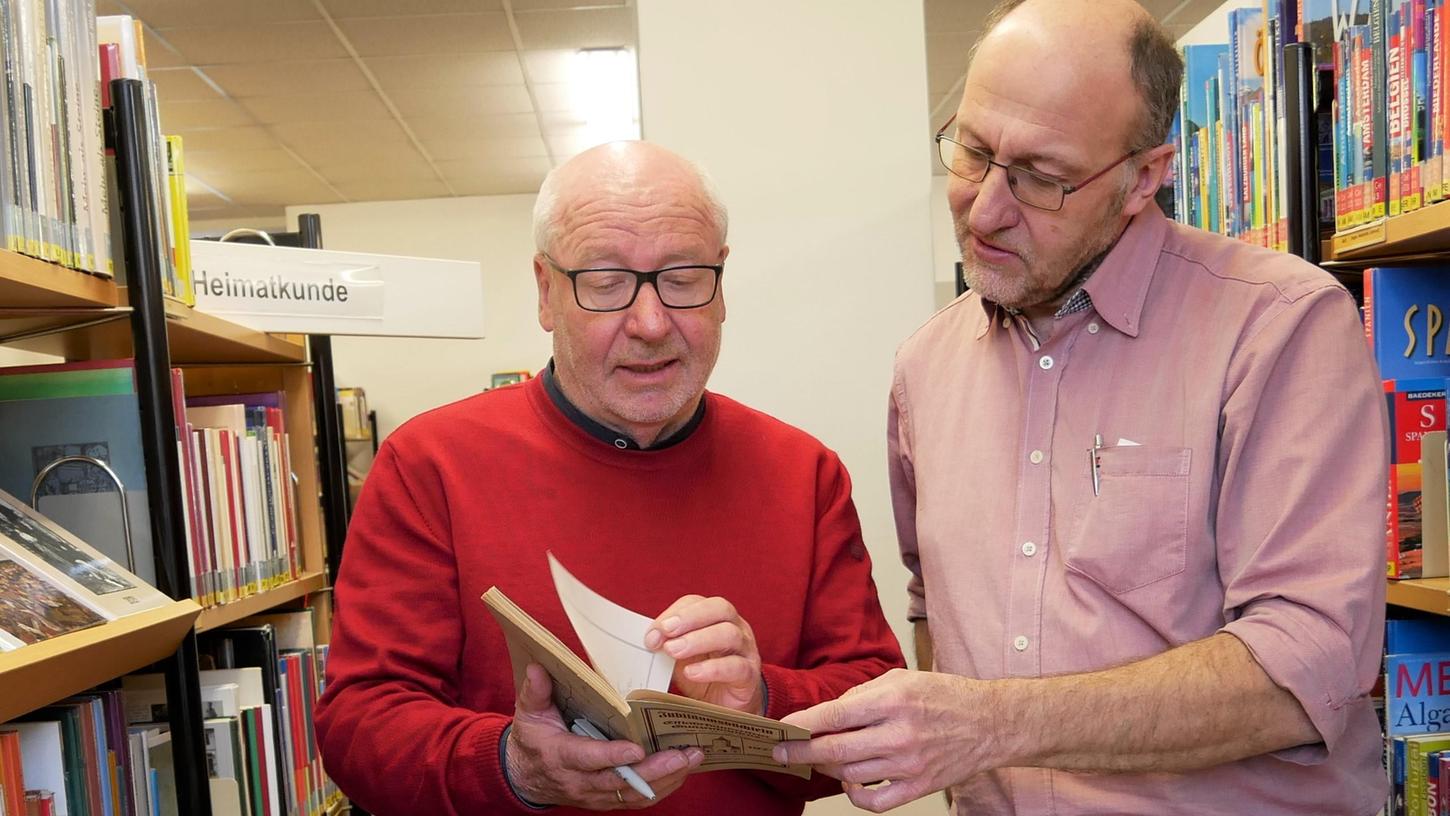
[(32, 609)]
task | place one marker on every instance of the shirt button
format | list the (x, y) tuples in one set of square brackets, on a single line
[(1020, 644), (1092, 328), (1029, 549), (1045, 362), (1035, 457), (1006, 322)]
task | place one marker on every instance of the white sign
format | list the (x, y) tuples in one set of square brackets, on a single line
[(315, 291)]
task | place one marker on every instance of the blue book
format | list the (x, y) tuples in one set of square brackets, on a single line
[(1405, 311), (1417, 693)]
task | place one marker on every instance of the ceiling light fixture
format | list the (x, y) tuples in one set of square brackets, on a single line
[(606, 87)]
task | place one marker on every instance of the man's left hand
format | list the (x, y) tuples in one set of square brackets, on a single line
[(716, 659), (920, 731)]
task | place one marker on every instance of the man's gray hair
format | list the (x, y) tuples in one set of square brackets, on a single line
[(547, 214), (1156, 66)]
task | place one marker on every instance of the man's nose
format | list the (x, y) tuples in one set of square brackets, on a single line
[(648, 317), (991, 207)]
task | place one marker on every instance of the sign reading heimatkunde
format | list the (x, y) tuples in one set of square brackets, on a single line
[(312, 291)]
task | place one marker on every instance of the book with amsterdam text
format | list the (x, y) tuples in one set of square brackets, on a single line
[(654, 720)]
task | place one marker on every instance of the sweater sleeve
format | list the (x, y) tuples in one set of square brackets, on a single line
[(392, 733), (844, 640)]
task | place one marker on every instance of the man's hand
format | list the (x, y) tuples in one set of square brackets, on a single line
[(549, 765), (716, 659), (921, 731)]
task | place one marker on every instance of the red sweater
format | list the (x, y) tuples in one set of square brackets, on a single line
[(419, 685)]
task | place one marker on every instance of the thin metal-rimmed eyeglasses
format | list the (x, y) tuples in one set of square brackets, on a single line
[(611, 290), (1028, 187)]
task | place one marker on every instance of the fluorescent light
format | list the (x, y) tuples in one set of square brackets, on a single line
[(606, 92)]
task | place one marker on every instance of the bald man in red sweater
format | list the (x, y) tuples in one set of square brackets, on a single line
[(736, 530)]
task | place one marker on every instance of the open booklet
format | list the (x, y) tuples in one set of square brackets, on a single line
[(625, 698)]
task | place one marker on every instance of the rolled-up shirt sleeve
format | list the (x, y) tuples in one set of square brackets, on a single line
[(903, 493), (1301, 503)]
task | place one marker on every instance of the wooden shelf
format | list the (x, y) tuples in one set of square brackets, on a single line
[(358, 438), (195, 338), (44, 672), (1424, 231), (33, 284), (218, 616), (1424, 594)]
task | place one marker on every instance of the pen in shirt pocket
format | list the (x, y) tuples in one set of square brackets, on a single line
[(1093, 461)]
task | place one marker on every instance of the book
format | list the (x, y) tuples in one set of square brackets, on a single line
[(1404, 321), (654, 720), (1416, 407), (70, 564), (1434, 506), (32, 610)]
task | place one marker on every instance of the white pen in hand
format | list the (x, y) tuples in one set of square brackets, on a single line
[(584, 728)]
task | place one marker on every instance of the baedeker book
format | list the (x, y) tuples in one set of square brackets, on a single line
[(654, 720)]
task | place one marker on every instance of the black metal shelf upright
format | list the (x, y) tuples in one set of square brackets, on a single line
[(142, 255), (1301, 149)]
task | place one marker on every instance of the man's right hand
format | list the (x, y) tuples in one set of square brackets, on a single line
[(549, 765)]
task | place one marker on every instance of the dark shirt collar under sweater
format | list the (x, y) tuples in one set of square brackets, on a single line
[(604, 433)]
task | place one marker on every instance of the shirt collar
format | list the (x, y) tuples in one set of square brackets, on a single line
[(1119, 287), (604, 433)]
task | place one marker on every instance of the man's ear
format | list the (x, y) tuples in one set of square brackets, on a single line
[(545, 282), (1153, 167), (724, 253)]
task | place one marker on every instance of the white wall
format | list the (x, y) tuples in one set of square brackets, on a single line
[(1212, 28), (945, 251), (406, 377), (818, 151)]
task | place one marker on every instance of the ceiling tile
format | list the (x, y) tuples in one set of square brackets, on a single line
[(501, 185), (181, 85), (555, 97), (107, 8), (586, 28), (275, 188), (214, 113), (548, 67), (161, 53), (446, 71), (207, 162), (486, 100), (164, 14), (255, 42), (472, 171), (344, 142), (475, 127), (348, 9), (436, 34), (395, 190), (235, 138), (507, 148), (956, 15), (333, 107), (234, 215), (399, 165), (288, 77), (555, 5)]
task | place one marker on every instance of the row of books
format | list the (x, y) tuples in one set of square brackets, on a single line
[(239, 504), (1230, 129), (258, 697), (1404, 313), (1379, 109), (70, 436), (122, 55), (108, 753), (54, 203), (1416, 693)]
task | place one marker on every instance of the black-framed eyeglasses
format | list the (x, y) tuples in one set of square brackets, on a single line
[(1033, 189), (688, 286)]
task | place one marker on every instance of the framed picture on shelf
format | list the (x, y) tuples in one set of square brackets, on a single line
[(502, 378)]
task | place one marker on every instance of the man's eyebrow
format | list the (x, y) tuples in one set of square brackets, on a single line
[(1041, 161)]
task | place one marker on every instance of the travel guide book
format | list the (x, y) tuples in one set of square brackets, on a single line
[(626, 697)]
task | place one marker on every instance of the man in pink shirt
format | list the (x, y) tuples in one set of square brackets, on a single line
[(1138, 476)]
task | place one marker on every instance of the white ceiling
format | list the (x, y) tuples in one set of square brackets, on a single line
[(322, 101)]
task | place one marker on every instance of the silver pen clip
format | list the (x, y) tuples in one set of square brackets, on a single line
[(1093, 461)]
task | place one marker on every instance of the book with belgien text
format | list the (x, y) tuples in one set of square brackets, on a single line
[(621, 705)]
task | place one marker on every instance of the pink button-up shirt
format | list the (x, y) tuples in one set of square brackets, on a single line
[(1241, 484)]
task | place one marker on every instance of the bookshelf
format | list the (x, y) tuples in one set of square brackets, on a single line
[(193, 338), (49, 309), (1424, 594), (53, 669), (1421, 232)]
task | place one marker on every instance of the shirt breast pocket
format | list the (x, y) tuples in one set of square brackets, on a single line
[(1135, 531)]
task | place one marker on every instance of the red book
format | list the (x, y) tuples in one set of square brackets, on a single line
[(1416, 407), (11, 773)]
